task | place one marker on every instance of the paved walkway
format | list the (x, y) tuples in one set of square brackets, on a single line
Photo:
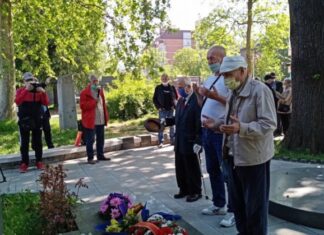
[(147, 173)]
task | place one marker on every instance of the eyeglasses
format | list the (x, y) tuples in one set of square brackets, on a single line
[(29, 80)]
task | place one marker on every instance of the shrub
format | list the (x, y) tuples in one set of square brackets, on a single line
[(129, 98), (56, 200)]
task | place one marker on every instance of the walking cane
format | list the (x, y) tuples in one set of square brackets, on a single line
[(3, 177), (201, 174)]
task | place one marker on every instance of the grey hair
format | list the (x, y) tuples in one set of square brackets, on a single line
[(218, 49), (186, 80)]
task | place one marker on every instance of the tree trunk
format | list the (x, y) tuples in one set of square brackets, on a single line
[(7, 68), (307, 43), (248, 36)]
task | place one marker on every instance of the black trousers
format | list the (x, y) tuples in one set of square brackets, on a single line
[(188, 173), (47, 132), (99, 132), (250, 197), (37, 144), (285, 120)]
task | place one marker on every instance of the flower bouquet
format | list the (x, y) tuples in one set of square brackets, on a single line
[(126, 218), (115, 206)]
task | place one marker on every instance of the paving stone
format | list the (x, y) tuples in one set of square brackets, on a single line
[(148, 173)]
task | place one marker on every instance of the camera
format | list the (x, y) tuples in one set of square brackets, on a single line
[(36, 85)]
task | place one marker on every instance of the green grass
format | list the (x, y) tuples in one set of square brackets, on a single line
[(295, 155), (21, 214), (9, 137)]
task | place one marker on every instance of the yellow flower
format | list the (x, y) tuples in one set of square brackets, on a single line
[(114, 226)]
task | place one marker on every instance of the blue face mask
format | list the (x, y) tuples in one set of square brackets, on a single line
[(214, 67), (182, 92)]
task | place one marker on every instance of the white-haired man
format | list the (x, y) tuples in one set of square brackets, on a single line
[(248, 145), (188, 128), (94, 118)]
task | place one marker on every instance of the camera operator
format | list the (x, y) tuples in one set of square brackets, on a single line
[(29, 100)]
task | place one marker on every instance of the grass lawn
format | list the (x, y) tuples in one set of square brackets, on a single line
[(9, 138), (21, 214), (296, 155)]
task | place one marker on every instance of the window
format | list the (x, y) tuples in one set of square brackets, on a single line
[(186, 39)]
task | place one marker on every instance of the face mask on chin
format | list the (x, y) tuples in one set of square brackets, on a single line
[(231, 83)]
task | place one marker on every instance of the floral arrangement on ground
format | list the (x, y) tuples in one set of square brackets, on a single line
[(124, 217)]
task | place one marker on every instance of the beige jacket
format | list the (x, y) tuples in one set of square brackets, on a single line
[(256, 111)]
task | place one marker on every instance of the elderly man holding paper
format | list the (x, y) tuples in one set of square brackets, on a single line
[(248, 145)]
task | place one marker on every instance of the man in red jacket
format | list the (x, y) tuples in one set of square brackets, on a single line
[(94, 118), (29, 100)]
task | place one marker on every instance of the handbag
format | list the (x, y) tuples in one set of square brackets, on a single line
[(284, 108)]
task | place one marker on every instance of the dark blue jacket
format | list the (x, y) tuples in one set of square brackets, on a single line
[(188, 125)]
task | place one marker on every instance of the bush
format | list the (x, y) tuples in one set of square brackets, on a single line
[(129, 98)]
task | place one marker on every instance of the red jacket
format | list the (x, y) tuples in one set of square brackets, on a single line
[(88, 108), (30, 103)]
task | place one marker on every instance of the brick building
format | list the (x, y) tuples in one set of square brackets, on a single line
[(171, 42)]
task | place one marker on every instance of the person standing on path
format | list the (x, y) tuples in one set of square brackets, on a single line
[(94, 118)]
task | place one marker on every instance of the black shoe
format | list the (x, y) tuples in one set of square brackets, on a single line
[(179, 195), (104, 159), (193, 198), (91, 162)]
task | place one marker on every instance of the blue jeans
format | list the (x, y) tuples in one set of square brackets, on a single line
[(166, 114), (212, 143), (99, 131), (250, 197)]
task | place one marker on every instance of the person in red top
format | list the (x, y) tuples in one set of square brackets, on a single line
[(29, 100), (94, 118)]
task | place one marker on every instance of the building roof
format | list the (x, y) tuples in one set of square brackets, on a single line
[(173, 34)]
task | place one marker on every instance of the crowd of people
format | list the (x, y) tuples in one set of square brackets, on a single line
[(231, 117)]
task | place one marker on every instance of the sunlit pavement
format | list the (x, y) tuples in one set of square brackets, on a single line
[(149, 175)]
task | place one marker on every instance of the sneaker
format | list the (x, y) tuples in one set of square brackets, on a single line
[(40, 166), (23, 168), (214, 210), (228, 221), (160, 146)]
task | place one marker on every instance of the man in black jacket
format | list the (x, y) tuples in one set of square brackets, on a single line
[(187, 143), (164, 99)]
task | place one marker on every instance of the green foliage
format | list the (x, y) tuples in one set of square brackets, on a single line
[(21, 214), (209, 32), (54, 38), (131, 27), (152, 62), (273, 50), (294, 155), (130, 98), (226, 25), (191, 62)]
